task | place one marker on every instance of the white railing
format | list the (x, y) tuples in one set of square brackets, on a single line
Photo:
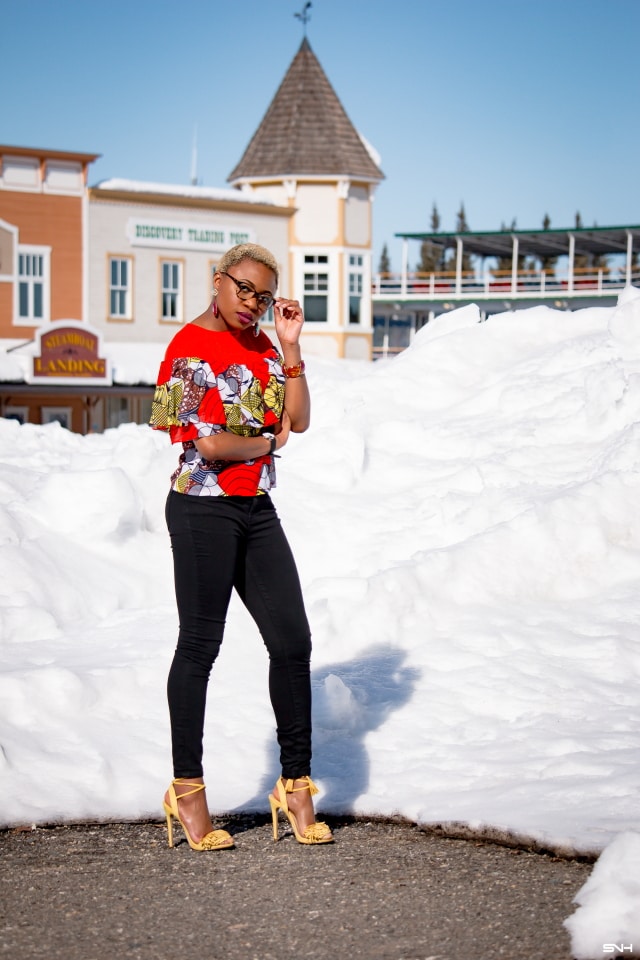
[(444, 286)]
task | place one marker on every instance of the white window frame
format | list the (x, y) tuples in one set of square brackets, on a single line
[(20, 173), (316, 282), (356, 272), (31, 280), (121, 289), (9, 268), (118, 410), (175, 293), (63, 177), (12, 412), (61, 415)]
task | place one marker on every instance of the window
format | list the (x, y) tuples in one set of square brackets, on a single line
[(63, 176), (21, 414), (21, 173), (61, 415), (118, 411), (8, 243), (355, 286), (120, 271), (33, 284), (316, 287), (171, 290)]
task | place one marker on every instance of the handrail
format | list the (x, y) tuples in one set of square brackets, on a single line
[(443, 283)]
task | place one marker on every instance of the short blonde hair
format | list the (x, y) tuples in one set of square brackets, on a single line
[(247, 251)]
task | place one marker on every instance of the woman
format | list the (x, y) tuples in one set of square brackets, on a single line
[(231, 400)]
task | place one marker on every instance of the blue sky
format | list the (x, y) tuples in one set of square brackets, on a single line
[(515, 109)]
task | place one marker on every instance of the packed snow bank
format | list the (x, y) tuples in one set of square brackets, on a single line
[(466, 518), (607, 921)]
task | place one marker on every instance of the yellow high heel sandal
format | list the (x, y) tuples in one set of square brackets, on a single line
[(214, 840), (317, 832)]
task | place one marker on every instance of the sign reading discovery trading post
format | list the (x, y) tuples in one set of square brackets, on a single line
[(184, 236)]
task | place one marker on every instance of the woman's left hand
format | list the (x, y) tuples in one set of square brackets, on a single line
[(288, 318)]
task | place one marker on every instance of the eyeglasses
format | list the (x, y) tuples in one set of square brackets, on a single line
[(246, 291)]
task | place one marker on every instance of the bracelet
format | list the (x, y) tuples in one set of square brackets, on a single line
[(297, 370)]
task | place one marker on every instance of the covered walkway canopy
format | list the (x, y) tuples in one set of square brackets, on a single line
[(601, 241), (512, 244)]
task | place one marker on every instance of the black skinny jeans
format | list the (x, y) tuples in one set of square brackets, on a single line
[(219, 543)]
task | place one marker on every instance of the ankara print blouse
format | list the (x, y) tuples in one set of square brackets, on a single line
[(211, 381)]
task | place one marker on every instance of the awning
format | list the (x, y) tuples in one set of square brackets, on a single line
[(604, 241)]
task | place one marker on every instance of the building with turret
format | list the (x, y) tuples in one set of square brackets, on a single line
[(307, 155), (95, 280)]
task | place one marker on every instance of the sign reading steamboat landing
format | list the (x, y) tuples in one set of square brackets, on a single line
[(69, 353)]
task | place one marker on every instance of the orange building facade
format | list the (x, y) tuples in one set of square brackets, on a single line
[(43, 209), (43, 266)]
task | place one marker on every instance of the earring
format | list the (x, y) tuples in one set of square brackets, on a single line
[(256, 329), (215, 307)]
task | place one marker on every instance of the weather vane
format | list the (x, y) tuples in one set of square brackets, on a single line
[(304, 16)]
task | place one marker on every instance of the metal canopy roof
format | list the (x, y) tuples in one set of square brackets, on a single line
[(538, 243)]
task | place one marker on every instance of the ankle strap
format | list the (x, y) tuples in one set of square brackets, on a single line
[(308, 784), (182, 781)]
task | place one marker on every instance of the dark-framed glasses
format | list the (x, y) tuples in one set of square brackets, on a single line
[(246, 291)]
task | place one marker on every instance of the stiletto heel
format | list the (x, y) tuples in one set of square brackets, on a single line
[(273, 803), (169, 825), (214, 840), (317, 832)]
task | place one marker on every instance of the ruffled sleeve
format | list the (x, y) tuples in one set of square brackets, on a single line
[(165, 406), (186, 400)]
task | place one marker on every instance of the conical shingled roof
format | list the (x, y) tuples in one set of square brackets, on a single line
[(306, 131)]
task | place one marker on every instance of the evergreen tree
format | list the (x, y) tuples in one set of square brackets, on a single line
[(461, 221), (580, 260), (504, 265), (430, 253), (589, 262), (503, 268), (548, 264), (598, 261), (384, 265), (461, 227)]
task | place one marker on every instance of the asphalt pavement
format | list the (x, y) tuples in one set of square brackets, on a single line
[(385, 890)]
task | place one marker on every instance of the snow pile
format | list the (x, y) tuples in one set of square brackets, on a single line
[(607, 921), (466, 519)]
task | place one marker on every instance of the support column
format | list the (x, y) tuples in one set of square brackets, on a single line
[(458, 266), (572, 255), (514, 266), (629, 256), (405, 267)]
